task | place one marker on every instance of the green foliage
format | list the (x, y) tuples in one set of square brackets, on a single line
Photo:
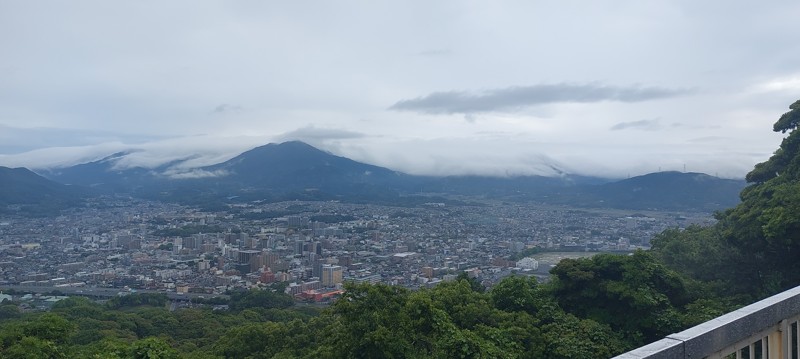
[(137, 299), (264, 340), (696, 252), (166, 246), (33, 347), (151, 348), (41, 336), (568, 337), (516, 294), (9, 311), (633, 294), (257, 298), (48, 326), (752, 251), (452, 320), (474, 284), (466, 307)]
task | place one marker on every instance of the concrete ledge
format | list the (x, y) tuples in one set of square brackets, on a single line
[(722, 332), (666, 348)]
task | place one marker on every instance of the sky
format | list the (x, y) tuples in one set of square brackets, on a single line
[(603, 88)]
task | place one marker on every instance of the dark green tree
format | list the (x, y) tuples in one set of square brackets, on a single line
[(9, 311), (634, 294), (517, 293), (753, 249), (568, 337), (257, 298), (151, 348), (33, 347)]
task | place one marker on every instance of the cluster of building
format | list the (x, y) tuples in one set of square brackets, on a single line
[(307, 249)]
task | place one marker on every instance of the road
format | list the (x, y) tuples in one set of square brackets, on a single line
[(106, 293)]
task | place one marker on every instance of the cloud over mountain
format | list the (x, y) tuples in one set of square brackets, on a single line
[(312, 134)]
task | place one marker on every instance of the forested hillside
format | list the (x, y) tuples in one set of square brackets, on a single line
[(518, 318), (592, 308)]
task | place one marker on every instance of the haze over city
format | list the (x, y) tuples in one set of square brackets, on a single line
[(502, 88)]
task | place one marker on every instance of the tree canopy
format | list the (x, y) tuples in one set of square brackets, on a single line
[(752, 251)]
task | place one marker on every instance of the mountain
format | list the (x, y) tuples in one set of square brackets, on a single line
[(665, 191), (509, 187), (296, 165), (296, 170), (23, 191), (106, 174)]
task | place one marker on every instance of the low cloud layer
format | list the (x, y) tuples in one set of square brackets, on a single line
[(314, 134), (194, 174), (478, 155), (514, 98), (21, 139)]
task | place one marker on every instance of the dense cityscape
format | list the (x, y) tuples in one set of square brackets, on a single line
[(309, 248)]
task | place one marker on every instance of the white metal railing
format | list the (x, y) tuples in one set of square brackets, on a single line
[(767, 329)]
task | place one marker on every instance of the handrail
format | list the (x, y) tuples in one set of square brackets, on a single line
[(766, 329)]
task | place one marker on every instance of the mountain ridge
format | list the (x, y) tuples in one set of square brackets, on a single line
[(25, 192), (297, 170)]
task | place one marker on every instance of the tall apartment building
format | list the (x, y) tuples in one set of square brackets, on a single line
[(331, 275)]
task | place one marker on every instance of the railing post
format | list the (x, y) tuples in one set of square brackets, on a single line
[(797, 337), (786, 339)]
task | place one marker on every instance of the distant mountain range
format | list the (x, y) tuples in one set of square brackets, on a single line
[(662, 191), (295, 170)]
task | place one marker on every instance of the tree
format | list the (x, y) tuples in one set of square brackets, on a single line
[(372, 322), (265, 339), (33, 347), (257, 298), (465, 306), (785, 159), (634, 293), (516, 293), (49, 326), (137, 299), (151, 348), (697, 252), (9, 311), (754, 246), (569, 337)]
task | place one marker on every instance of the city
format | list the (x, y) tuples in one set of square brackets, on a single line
[(307, 249)]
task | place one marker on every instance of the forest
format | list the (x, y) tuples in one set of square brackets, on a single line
[(591, 308)]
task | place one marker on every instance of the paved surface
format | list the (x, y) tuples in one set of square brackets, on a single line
[(105, 292)]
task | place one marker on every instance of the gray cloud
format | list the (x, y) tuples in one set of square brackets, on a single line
[(708, 139), (194, 173), (314, 134), (516, 97), (435, 53), (644, 125), (226, 108), (20, 139)]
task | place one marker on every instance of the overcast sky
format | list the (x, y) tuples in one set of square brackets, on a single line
[(610, 88)]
